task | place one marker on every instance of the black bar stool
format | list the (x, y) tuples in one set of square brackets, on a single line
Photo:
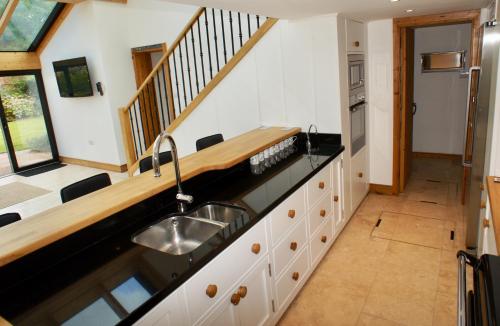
[(208, 141), (85, 186), (146, 163), (9, 218)]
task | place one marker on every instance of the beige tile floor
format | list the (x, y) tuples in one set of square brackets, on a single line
[(53, 180), (402, 272)]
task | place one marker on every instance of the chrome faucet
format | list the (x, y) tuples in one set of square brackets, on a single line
[(182, 199), (308, 144)]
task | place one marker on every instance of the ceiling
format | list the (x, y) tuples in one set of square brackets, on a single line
[(364, 10)]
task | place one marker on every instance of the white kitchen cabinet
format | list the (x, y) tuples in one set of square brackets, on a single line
[(355, 40), (249, 302), (172, 311), (359, 178), (339, 218)]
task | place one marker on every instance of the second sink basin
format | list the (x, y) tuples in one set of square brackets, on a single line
[(219, 212), (177, 235)]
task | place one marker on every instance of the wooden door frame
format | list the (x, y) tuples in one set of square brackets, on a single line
[(399, 26)]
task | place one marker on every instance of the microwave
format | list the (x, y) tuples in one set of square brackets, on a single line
[(356, 71)]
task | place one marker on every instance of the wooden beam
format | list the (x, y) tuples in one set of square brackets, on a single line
[(53, 29), (19, 61), (7, 14)]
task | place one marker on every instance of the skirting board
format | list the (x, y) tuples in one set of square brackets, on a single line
[(437, 155), (92, 164), (381, 189)]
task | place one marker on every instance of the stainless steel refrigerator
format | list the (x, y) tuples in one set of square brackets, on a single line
[(482, 90)]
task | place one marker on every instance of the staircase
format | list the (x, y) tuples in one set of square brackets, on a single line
[(208, 48)]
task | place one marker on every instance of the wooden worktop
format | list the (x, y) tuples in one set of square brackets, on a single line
[(25, 236), (494, 196)]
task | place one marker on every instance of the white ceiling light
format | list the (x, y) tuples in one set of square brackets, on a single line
[(409, 10), (394, 0)]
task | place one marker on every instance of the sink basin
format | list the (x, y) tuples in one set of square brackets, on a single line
[(219, 212), (177, 235)]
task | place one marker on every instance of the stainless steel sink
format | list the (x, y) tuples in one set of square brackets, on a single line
[(219, 212), (178, 235)]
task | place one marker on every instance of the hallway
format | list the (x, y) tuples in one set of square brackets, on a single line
[(394, 263)]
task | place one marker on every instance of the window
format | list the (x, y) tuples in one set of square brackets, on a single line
[(28, 24)]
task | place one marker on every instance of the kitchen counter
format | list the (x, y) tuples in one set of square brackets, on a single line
[(95, 270), (23, 237), (494, 196)]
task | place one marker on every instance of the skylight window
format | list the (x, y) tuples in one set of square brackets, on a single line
[(30, 20)]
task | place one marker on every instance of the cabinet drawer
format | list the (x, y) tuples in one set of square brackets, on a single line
[(290, 247), (319, 185), (321, 241), (224, 270), (287, 214), (319, 213), (289, 281)]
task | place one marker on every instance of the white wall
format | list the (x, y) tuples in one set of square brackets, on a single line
[(290, 78), (104, 32), (441, 97), (379, 42)]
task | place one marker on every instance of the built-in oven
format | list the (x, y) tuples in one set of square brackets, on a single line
[(356, 71)]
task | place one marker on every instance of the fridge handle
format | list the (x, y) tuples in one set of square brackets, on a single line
[(466, 163)]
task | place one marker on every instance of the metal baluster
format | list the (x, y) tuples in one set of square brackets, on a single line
[(241, 33), (176, 82), (208, 45), (167, 104), (194, 60), (223, 36), (258, 22), (133, 134), (188, 66), (248, 23), (152, 110), (162, 124), (201, 53), (215, 40), (139, 150), (182, 78), (231, 26)]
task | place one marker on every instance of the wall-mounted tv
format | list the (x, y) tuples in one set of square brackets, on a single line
[(73, 77)]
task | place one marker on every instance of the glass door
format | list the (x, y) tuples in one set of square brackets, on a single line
[(27, 138)]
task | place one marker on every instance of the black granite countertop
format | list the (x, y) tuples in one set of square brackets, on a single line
[(99, 276)]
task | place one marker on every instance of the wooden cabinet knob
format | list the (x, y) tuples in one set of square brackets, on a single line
[(335, 198), (321, 185), (211, 290), (242, 291), (295, 276), (486, 223), (291, 213), (293, 246), (322, 213), (483, 203), (356, 44), (235, 299), (256, 248), (360, 174), (481, 186), (323, 238)]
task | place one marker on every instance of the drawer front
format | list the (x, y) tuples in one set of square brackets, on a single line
[(290, 247), (320, 242), (287, 214), (318, 186), (319, 213), (287, 283), (224, 270)]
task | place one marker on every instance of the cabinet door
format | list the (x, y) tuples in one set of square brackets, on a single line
[(171, 311), (359, 179), (355, 36), (338, 195), (225, 314), (256, 307)]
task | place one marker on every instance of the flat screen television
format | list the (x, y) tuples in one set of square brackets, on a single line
[(73, 77)]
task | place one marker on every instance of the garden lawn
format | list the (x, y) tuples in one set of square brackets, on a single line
[(22, 131)]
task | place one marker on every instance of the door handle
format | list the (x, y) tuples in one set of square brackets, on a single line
[(467, 163), (414, 107)]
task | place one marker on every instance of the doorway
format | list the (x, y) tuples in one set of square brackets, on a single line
[(26, 137), (409, 118)]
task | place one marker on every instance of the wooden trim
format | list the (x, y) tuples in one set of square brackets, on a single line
[(28, 235), (437, 155), (4, 322), (494, 199), (170, 93), (399, 24), (7, 14), (128, 142), (54, 28), (11, 61), (381, 189), (264, 28), (93, 164)]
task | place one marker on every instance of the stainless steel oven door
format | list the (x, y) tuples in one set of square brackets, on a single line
[(358, 128)]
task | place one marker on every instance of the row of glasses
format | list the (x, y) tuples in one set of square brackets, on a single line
[(272, 155)]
